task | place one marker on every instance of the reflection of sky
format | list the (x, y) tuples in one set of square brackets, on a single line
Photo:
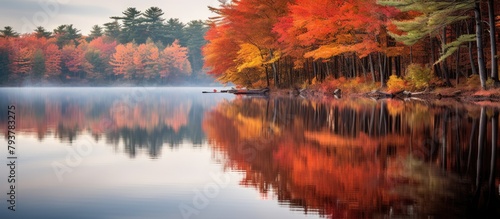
[(111, 185)]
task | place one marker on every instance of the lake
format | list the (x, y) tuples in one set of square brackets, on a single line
[(177, 153)]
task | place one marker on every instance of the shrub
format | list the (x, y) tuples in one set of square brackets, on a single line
[(330, 84), (490, 83), (473, 82), (395, 84), (419, 76), (352, 85)]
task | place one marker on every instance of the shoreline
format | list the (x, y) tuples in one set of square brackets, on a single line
[(490, 97)]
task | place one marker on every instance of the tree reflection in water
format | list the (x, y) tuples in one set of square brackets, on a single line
[(350, 158), (144, 124), (360, 158)]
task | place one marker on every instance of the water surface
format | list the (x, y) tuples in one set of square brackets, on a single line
[(177, 153)]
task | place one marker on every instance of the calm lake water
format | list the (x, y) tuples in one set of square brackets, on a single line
[(178, 153)]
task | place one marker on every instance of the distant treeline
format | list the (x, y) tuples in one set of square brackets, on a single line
[(135, 48)]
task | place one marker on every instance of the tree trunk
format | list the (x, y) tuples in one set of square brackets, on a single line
[(275, 72), (267, 75), (471, 57), (362, 63), (372, 70), (493, 43), (457, 61), (382, 79), (315, 69), (389, 69), (480, 52), (354, 66), (380, 70), (433, 57), (444, 69)]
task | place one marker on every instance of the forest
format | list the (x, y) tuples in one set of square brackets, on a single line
[(357, 44), (136, 48)]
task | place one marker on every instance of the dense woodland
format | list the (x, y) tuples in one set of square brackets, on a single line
[(134, 48), (402, 44)]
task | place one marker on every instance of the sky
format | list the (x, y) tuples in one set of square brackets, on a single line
[(25, 15)]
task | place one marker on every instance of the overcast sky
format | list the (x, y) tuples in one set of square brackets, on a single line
[(25, 15)]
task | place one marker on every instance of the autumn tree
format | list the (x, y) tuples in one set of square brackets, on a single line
[(252, 22), (99, 53), (220, 52), (21, 58), (145, 56), (123, 60), (146, 60), (52, 56), (313, 27), (72, 59), (4, 60), (174, 61)]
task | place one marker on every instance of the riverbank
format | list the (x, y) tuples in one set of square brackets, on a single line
[(490, 97)]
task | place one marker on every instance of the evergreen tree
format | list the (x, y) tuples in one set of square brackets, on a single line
[(434, 17), (133, 28), (8, 32), (155, 28), (112, 29), (195, 40), (95, 33), (175, 31), (38, 64), (67, 34), (40, 32), (98, 67), (4, 64)]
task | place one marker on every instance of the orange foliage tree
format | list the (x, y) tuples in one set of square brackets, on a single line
[(73, 59), (123, 60), (146, 60), (220, 50), (174, 61), (22, 52), (52, 60), (293, 37), (245, 23)]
